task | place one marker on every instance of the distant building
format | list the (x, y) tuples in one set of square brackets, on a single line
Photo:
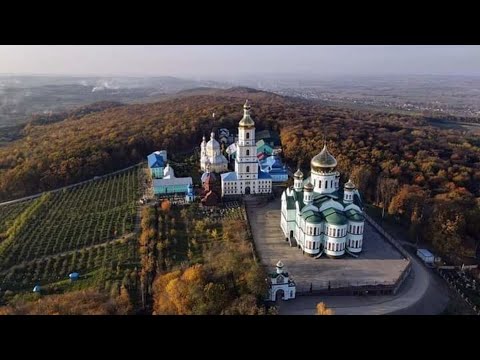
[(273, 166), (211, 156), (264, 148), (163, 176), (156, 163), (210, 193), (224, 136), (170, 184), (247, 178), (280, 283), (189, 197)]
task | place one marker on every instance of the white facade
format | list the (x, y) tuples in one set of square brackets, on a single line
[(247, 178), (211, 157), (318, 216), (280, 284)]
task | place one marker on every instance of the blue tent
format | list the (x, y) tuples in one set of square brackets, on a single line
[(74, 276), (36, 289)]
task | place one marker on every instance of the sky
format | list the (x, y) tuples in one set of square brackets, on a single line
[(220, 61)]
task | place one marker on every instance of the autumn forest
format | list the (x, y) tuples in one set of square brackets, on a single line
[(421, 176)]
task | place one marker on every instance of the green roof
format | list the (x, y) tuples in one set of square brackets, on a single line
[(275, 274), (334, 216), (290, 202), (354, 215), (314, 219)]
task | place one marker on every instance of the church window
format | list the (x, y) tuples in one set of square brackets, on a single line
[(248, 135), (320, 184), (326, 184), (331, 183), (248, 168), (336, 247), (248, 152)]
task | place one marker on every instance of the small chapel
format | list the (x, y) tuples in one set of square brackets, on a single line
[(211, 157)]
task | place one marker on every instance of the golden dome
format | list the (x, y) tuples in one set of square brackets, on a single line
[(246, 120), (308, 187), (323, 161), (350, 185), (298, 174)]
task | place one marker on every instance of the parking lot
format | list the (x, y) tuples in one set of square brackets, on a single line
[(379, 263)]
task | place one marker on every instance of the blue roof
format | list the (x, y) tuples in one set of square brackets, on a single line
[(231, 176), (155, 160), (272, 164), (264, 176)]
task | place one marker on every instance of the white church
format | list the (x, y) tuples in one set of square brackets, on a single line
[(211, 158), (318, 216), (247, 177)]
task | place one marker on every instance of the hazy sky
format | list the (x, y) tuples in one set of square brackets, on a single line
[(216, 61)]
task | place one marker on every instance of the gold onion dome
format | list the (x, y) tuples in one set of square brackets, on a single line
[(324, 160), (350, 185), (308, 187), (298, 174), (246, 120)]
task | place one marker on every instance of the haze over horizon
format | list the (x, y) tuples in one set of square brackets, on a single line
[(229, 62)]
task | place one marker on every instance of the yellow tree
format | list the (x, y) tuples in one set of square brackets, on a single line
[(323, 310)]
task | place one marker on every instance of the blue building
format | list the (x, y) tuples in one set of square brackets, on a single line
[(273, 166), (169, 184), (189, 197), (156, 163)]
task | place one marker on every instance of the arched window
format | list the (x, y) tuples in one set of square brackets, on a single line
[(320, 184), (248, 135), (248, 152), (331, 183), (326, 184), (248, 168)]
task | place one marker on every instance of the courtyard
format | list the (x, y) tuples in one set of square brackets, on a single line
[(379, 262)]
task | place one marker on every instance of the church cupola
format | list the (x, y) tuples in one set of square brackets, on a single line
[(246, 120), (348, 191), (298, 180), (308, 194), (279, 267)]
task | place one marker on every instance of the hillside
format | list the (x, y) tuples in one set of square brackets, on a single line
[(87, 229), (433, 173)]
